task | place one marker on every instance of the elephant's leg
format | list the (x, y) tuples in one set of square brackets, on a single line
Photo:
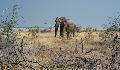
[(62, 34), (68, 33), (73, 34), (60, 31), (56, 29)]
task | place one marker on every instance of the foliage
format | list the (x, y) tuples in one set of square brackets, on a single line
[(34, 31), (13, 55), (89, 34), (8, 21), (78, 29), (114, 23), (104, 35)]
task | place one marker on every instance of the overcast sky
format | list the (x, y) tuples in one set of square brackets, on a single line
[(92, 13)]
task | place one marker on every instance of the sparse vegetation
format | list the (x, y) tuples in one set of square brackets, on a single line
[(89, 50), (34, 31)]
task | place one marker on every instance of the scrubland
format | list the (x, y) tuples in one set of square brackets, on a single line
[(93, 50)]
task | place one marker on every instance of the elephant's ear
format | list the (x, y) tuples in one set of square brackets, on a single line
[(60, 20), (64, 19)]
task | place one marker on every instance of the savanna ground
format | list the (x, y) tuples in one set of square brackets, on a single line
[(34, 49), (88, 50)]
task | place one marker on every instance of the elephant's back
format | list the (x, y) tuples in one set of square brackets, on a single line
[(70, 26)]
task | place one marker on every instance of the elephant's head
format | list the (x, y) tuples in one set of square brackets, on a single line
[(60, 20)]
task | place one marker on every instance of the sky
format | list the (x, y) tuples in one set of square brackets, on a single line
[(93, 13)]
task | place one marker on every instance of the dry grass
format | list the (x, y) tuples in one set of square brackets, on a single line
[(51, 52), (48, 39)]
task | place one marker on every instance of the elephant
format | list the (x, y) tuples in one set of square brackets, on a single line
[(68, 26)]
